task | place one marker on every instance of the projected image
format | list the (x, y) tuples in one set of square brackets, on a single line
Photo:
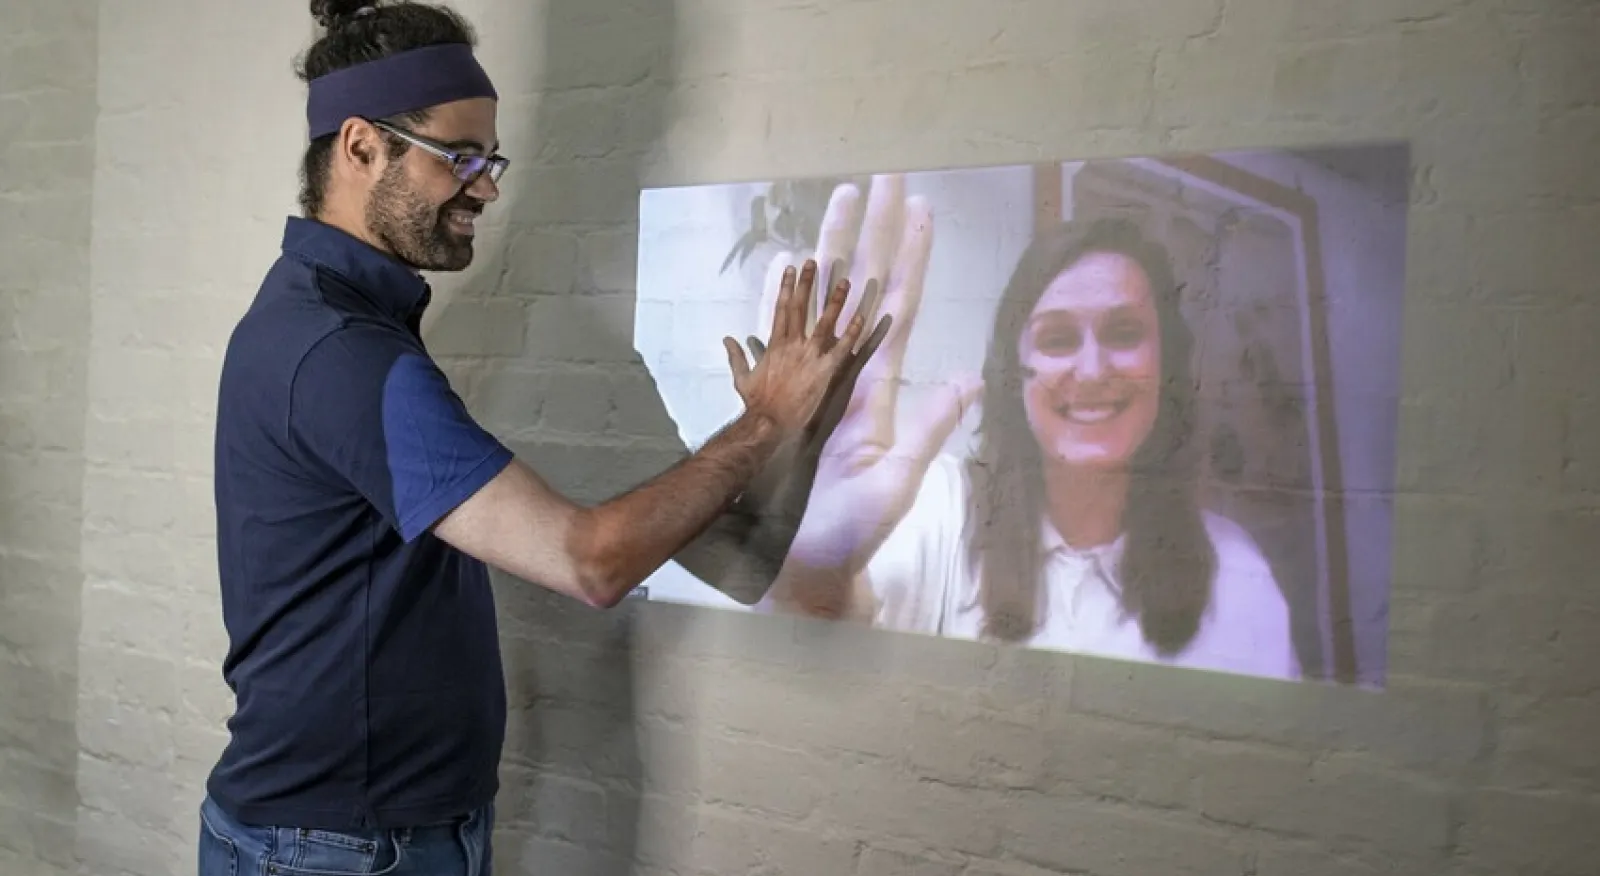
[(1137, 408)]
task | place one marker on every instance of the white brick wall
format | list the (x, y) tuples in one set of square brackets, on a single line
[(47, 144), (697, 741)]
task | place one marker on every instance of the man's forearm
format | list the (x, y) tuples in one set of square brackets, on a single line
[(626, 539)]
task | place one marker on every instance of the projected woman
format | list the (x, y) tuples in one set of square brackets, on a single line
[(1076, 523)]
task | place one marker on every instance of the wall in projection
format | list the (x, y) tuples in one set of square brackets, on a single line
[(1143, 408)]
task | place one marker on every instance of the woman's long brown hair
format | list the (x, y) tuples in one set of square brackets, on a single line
[(1168, 560)]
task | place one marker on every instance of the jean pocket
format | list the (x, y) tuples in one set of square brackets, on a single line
[(218, 856), (331, 853)]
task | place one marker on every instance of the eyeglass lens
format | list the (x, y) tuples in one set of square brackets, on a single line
[(469, 166)]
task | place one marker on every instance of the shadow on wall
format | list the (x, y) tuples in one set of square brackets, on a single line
[(540, 341)]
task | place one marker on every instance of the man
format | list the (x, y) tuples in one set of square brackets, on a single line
[(359, 505)]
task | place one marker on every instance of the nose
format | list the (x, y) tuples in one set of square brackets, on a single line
[(484, 189), (1089, 362)]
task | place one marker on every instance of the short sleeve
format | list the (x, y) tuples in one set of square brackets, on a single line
[(377, 414)]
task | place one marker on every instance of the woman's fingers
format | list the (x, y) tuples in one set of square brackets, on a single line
[(836, 235), (875, 247)]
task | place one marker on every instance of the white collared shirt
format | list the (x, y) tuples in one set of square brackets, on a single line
[(922, 583)]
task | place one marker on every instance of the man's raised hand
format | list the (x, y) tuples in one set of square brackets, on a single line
[(801, 362)]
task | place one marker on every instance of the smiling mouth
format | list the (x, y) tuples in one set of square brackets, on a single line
[(1085, 414), (461, 221)]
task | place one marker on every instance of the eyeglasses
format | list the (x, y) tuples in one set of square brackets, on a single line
[(465, 166)]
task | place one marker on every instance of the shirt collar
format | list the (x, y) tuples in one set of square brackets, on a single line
[(392, 285), (1083, 577), (1106, 556)]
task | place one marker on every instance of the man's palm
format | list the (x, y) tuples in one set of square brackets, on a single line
[(805, 357)]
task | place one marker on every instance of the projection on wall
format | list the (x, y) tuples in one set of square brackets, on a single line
[(1181, 375)]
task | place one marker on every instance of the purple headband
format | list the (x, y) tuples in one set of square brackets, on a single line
[(400, 83)]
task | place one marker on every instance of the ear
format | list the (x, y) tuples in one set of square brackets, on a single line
[(360, 147)]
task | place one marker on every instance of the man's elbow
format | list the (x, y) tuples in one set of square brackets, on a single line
[(603, 578), (602, 592)]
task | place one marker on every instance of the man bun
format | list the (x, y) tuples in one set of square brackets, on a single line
[(333, 13)]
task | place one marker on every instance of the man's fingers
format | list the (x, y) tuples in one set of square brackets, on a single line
[(842, 395), (783, 314), (860, 358), (757, 349), (800, 303), (737, 362), (847, 342), (864, 350), (770, 288), (852, 335), (828, 326)]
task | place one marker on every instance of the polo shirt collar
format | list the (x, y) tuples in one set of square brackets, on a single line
[(1106, 558), (392, 285)]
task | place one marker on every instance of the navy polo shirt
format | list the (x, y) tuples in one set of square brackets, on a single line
[(363, 651)]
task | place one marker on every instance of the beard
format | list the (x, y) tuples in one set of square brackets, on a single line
[(414, 229)]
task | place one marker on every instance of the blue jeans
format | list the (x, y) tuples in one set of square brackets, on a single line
[(458, 848)]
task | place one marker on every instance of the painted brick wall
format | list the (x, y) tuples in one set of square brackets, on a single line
[(48, 57), (664, 740)]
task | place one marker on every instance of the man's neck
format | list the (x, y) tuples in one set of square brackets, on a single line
[(358, 229), (354, 226)]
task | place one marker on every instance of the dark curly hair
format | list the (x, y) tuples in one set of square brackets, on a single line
[(358, 31)]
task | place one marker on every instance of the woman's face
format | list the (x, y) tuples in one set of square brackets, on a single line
[(1091, 359)]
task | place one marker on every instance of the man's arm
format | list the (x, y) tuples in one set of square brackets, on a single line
[(597, 555)]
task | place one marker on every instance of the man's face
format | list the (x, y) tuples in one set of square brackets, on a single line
[(419, 208)]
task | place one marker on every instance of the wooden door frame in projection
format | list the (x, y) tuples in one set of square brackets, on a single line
[(1299, 211)]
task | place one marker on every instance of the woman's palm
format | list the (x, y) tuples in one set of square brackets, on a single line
[(868, 474)]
